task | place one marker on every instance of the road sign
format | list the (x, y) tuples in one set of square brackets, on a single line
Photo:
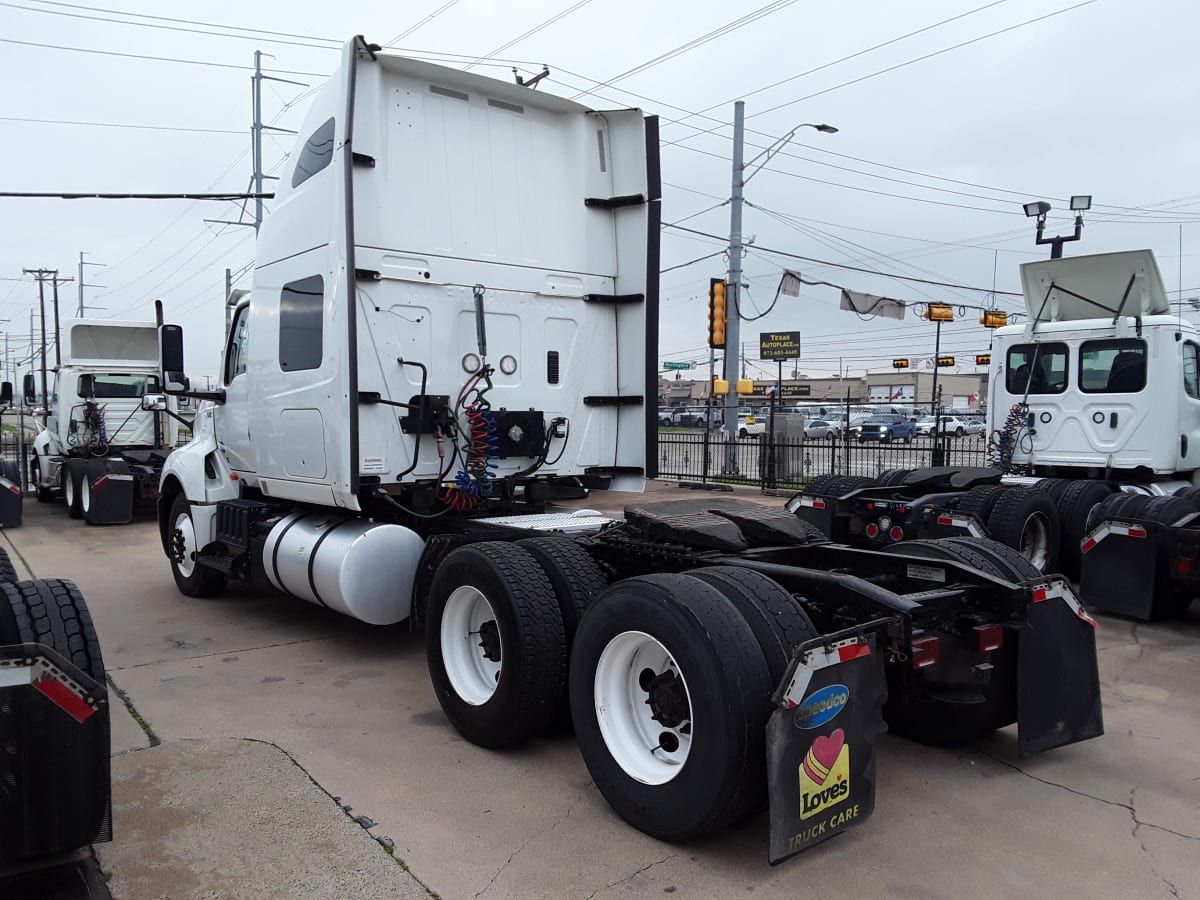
[(677, 366), (779, 345)]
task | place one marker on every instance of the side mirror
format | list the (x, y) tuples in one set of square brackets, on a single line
[(170, 359), (29, 389), (5, 393), (154, 402)]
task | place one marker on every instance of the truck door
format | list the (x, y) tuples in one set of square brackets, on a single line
[(231, 419)]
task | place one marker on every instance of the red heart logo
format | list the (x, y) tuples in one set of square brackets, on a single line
[(826, 749)]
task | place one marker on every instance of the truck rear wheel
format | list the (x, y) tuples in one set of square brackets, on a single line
[(495, 643), (893, 477), (817, 485), (1028, 522), (51, 611), (192, 578), (654, 656), (1075, 504), (44, 494), (8, 572), (70, 474), (978, 501), (778, 621), (1122, 504)]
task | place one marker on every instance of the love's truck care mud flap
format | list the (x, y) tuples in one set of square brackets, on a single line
[(1058, 677), (821, 739)]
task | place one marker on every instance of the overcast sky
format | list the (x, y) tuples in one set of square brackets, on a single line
[(925, 177)]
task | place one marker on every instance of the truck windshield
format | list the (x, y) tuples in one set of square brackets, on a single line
[(112, 387), (1036, 369), (1115, 366)]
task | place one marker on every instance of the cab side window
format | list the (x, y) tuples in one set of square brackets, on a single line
[(239, 342), (1191, 369)]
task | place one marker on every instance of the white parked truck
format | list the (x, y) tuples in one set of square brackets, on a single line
[(1094, 420), (102, 444), (453, 322)]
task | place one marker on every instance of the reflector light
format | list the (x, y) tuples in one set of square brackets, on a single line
[(870, 506), (1184, 566), (872, 530), (1087, 545), (902, 510), (897, 533), (818, 504), (1039, 595), (926, 652), (16, 490), (989, 637), (945, 520), (853, 651), (1137, 532)]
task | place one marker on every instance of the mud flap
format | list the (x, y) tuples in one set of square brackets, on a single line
[(1120, 567), (821, 739), (1058, 678)]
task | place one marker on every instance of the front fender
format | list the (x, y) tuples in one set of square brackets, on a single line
[(200, 471)]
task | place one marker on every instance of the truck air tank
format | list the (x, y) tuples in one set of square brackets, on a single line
[(361, 569)]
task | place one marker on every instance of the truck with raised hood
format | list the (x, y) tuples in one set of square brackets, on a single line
[(107, 428), (1094, 434), (453, 323)]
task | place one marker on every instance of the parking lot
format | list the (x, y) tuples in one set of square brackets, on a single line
[(268, 716)]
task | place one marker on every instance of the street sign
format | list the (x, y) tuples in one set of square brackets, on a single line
[(779, 345), (677, 366)]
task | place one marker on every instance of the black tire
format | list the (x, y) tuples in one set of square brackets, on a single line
[(1009, 564), (51, 611), (978, 501), (844, 484), (723, 777), (1028, 522), (532, 642), (44, 494), (817, 485), (1121, 504), (892, 477), (975, 553), (12, 471), (1167, 510), (201, 581), (8, 572), (778, 621), (908, 439), (70, 479), (1189, 493), (1053, 486), (1075, 503), (958, 432)]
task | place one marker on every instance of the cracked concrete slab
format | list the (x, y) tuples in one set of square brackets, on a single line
[(353, 705), (238, 819)]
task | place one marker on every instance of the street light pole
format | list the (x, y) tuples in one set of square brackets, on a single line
[(736, 248)]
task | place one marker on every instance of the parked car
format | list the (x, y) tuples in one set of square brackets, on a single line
[(924, 426), (819, 429), (955, 426), (887, 428), (856, 423), (666, 415), (975, 425)]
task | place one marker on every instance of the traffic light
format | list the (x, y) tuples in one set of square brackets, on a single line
[(945, 361), (993, 318), (939, 312), (983, 359), (717, 313), (899, 363)]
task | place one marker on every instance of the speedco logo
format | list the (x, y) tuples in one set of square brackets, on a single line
[(822, 706)]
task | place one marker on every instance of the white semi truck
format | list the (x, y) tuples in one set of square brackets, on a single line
[(1094, 424), (453, 321), (101, 448)]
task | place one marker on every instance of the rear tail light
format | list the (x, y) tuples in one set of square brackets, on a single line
[(872, 530), (926, 652), (897, 533), (1184, 566), (988, 637)]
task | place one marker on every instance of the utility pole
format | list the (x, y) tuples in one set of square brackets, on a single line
[(40, 275), (56, 281), (81, 285), (228, 307), (256, 139), (734, 321)]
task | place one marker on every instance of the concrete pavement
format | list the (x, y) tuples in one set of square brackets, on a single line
[(268, 707)]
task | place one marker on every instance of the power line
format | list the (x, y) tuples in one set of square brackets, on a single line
[(421, 24), (132, 196), (168, 59), (124, 125), (825, 262), (532, 31)]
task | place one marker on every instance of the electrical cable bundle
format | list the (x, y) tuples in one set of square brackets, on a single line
[(1003, 442), (473, 481)]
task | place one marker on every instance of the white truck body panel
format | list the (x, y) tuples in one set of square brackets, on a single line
[(474, 182), (1106, 392)]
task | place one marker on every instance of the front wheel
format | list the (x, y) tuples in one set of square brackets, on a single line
[(70, 475), (44, 494), (192, 578)]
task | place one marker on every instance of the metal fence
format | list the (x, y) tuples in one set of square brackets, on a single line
[(790, 462)]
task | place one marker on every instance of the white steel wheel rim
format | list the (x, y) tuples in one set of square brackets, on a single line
[(69, 489), (1035, 540), (85, 495), (646, 749), (473, 674), (185, 537)]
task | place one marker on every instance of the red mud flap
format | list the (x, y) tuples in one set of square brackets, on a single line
[(54, 771), (1058, 678), (821, 739)]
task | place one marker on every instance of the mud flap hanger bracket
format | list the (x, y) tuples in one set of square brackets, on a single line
[(830, 649)]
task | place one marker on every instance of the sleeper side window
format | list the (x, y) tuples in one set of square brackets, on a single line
[(301, 324)]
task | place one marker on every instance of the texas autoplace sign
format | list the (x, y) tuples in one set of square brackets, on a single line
[(777, 345)]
